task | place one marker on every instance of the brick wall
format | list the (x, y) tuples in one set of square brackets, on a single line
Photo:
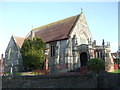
[(108, 80), (50, 81), (105, 80)]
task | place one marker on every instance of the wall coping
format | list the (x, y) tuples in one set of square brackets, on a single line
[(49, 76)]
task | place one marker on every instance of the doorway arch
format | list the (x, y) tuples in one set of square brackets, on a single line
[(83, 58)]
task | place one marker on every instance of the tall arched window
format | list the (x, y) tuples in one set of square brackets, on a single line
[(53, 47), (9, 53), (74, 40)]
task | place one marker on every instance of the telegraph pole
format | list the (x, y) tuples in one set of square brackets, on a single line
[(103, 44), (103, 57)]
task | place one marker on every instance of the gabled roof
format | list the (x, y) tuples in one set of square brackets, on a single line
[(56, 31), (19, 41)]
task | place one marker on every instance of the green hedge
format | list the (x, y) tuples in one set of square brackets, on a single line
[(96, 65)]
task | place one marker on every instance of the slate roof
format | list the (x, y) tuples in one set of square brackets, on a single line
[(56, 31), (19, 41)]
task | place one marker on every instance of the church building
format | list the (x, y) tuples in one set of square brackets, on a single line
[(69, 43)]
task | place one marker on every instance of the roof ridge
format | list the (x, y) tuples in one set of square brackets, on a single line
[(75, 22), (17, 36), (54, 22)]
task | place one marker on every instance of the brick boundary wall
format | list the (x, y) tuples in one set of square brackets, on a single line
[(108, 80), (119, 79), (49, 81), (105, 80)]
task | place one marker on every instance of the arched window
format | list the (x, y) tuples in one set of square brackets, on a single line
[(74, 40), (9, 53), (53, 47)]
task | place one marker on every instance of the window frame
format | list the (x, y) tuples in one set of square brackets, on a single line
[(53, 49)]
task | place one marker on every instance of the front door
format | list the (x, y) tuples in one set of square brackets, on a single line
[(83, 58)]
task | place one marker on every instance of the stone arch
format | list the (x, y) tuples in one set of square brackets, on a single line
[(83, 53)]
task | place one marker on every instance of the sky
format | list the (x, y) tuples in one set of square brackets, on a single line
[(18, 18)]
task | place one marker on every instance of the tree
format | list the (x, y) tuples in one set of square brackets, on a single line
[(33, 53), (96, 65)]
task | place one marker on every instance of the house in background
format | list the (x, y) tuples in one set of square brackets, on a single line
[(103, 52), (69, 42), (13, 58), (116, 59)]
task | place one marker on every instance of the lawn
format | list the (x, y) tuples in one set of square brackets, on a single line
[(39, 72), (117, 71), (25, 73)]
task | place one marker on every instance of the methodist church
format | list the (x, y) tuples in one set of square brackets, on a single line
[(69, 44)]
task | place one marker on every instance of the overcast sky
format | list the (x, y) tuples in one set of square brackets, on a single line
[(17, 18)]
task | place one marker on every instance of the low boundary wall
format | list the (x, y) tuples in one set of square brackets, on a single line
[(104, 80)]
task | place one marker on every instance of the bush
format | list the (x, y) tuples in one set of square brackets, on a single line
[(96, 65), (33, 53)]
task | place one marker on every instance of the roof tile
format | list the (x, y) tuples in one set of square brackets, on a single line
[(55, 31), (19, 41)]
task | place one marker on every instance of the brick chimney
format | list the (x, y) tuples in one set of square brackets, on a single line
[(1, 59), (2, 65)]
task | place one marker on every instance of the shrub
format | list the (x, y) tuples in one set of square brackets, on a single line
[(96, 65), (33, 53)]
